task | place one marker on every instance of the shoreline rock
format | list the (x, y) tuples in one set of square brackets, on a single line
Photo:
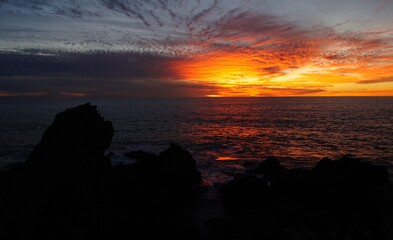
[(68, 189), (339, 198)]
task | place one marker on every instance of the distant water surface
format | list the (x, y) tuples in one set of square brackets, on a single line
[(298, 130)]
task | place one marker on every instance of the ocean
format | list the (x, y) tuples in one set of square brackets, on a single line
[(221, 133)]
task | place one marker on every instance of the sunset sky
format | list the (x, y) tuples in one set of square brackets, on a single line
[(196, 48)]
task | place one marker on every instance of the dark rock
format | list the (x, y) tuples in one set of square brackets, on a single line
[(173, 170), (219, 228), (249, 164), (340, 198), (347, 192), (351, 170), (149, 192), (67, 189), (180, 166), (155, 185), (78, 132), (110, 154), (244, 195), (66, 179), (140, 155), (271, 169), (180, 228), (217, 223)]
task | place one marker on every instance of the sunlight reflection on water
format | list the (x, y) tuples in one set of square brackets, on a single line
[(298, 130)]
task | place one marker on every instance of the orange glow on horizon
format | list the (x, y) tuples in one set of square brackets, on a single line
[(227, 158), (225, 69), (303, 72), (213, 96)]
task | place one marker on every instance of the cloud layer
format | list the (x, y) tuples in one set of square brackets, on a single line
[(195, 48)]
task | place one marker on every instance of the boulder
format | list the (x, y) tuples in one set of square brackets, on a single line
[(348, 192), (67, 189), (346, 198), (78, 132), (271, 169), (152, 192), (67, 178), (244, 195), (173, 171), (350, 170)]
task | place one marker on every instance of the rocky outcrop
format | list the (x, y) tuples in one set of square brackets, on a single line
[(174, 168), (154, 195), (76, 133), (68, 177), (68, 189), (342, 199), (65, 182), (244, 195)]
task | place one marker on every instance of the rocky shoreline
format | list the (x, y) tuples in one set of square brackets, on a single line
[(68, 189)]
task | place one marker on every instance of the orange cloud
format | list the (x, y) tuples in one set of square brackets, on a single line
[(287, 61), (217, 51)]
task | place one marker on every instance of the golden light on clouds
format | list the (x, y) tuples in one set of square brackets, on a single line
[(224, 69), (199, 48), (356, 69)]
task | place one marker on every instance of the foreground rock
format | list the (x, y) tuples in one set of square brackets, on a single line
[(67, 189), (155, 195), (172, 170), (62, 190), (343, 199)]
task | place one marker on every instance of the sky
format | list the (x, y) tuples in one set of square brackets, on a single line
[(195, 48)]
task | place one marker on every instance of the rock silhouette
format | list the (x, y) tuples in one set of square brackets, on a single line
[(66, 178), (68, 189), (174, 168), (339, 198), (153, 194)]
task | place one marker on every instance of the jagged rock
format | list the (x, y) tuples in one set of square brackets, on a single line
[(67, 189), (350, 170), (67, 178), (347, 190), (150, 192), (78, 132), (173, 169), (342, 197), (271, 169), (179, 165), (248, 164)]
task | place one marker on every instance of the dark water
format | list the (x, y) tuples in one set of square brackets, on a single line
[(298, 130)]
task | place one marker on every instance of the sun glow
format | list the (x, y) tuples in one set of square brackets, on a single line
[(246, 74), (213, 96), (231, 73), (224, 69)]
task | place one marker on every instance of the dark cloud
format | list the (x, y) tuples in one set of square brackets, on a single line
[(100, 87), (376, 80), (91, 64), (162, 47), (272, 70), (100, 74), (295, 91)]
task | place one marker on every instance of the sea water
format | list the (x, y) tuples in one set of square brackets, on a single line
[(220, 132)]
